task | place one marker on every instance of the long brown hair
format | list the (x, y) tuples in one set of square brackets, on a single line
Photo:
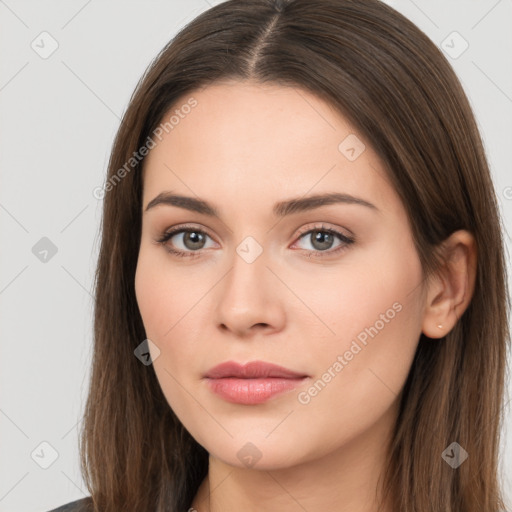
[(388, 79)]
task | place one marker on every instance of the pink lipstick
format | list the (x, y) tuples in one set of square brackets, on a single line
[(252, 383)]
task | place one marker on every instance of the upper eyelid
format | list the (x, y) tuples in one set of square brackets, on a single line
[(323, 227)]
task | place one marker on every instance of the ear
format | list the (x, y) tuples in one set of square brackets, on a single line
[(450, 290)]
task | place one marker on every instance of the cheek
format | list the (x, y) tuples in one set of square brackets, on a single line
[(375, 314), (163, 304), (163, 294), (370, 288), (148, 291), (171, 303), (361, 369)]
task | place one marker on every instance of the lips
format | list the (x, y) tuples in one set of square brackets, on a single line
[(252, 383), (252, 370)]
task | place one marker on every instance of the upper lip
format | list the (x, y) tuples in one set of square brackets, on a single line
[(251, 370)]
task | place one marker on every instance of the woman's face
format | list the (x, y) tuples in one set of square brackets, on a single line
[(257, 282)]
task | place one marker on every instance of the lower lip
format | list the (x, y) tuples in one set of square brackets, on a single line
[(252, 391)]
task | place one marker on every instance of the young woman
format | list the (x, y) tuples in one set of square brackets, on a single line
[(301, 297)]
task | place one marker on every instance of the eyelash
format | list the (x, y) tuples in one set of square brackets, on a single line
[(347, 240)]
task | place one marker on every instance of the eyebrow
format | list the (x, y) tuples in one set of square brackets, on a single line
[(280, 209)]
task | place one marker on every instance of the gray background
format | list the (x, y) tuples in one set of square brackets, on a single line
[(58, 117)]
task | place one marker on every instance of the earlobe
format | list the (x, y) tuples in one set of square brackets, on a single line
[(451, 289)]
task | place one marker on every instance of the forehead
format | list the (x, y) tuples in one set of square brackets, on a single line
[(267, 141)]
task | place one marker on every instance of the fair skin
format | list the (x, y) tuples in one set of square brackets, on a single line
[(299, 304)]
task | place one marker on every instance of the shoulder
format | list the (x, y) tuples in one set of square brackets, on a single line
[(82, 505)]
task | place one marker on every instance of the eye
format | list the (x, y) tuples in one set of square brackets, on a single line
[(322, 239), (193, 240)]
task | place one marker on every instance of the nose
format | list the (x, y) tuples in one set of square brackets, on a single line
[(249, 298)]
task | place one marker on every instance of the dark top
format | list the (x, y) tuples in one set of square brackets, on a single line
[(83, 505)]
